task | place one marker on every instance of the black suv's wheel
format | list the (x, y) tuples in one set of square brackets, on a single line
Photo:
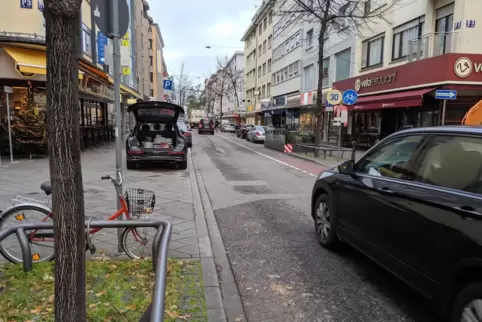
[(183, 165), (131, 165), (468, 304), (325, 222)]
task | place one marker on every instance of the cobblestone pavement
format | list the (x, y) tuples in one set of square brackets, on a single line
[(172, 188)]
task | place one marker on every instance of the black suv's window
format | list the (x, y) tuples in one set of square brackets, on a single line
[(452, 162), (393, 159)]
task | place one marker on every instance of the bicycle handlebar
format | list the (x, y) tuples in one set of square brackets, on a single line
[(114, 181)]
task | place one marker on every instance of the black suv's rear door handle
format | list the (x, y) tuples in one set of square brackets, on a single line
[(468, 211), (385, 190)]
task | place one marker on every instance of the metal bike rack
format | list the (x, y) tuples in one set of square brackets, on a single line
[(159, 254)]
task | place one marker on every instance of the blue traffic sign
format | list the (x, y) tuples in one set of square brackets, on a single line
[(168, 84), (446, 94), (350, 97)]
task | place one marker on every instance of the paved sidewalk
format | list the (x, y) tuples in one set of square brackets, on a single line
[(172, 187)]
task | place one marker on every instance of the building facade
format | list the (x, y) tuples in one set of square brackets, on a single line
[(156, 64), (233, 101), (23, 62), (258, 51), (429, 45)]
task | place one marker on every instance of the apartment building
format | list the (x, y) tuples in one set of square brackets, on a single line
[(144, 47), (295, 70), (258, 50), (156, 64), (428, 45), (233, 103)]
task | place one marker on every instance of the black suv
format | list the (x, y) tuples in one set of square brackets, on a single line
[(413, 203)]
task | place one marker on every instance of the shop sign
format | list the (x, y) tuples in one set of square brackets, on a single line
[(463, 67), (375, 81)]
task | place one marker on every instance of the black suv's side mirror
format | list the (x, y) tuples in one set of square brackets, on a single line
[(347, 167)]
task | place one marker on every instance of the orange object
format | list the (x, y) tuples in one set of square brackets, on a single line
[(474, 115)]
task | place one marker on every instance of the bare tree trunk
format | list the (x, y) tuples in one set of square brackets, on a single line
[(63, 30), (319, 101)]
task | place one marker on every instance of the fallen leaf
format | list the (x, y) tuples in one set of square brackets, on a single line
[(113, 266), (176, 315), (37, 310), (106, 304), (133, 287), (51, 298), (100, 293), (92, 305)]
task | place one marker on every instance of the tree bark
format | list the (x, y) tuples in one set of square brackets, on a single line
[(319, 101), (62, 19)]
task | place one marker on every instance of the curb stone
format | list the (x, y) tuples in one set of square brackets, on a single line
[(223, 301)]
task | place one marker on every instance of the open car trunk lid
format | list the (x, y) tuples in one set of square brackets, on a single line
[(155, 111)]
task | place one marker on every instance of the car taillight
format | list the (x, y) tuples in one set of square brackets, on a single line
[(212, 126), (135, 150), (200, 126), (258, 134), (187, 134)]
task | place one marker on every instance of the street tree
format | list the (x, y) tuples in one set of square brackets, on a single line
[(234, 76), (331, 17), (62, 23), (182, 86)]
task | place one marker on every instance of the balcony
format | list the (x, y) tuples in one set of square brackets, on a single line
[(432, 45), (22, 37)]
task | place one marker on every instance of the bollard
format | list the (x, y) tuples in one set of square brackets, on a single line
[(353, 150)]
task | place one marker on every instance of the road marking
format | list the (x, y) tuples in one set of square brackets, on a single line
[(268, 157)]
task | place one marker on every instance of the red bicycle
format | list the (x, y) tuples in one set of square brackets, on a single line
[(134, 203)]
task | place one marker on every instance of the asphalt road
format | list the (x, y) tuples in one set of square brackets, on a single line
[(261, 202)]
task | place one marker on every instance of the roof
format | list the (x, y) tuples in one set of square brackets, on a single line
[(260, 13), (452, 129)]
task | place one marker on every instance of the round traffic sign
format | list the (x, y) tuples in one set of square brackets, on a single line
[(101, 11), (350, 97), (334, 97)]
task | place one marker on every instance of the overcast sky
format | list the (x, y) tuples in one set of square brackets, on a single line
[(188, 26)]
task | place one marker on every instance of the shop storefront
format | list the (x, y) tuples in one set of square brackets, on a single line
[(404, 96)]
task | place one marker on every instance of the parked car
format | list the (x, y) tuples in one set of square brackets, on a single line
[(229, 127), (206, 126), (256, 134), (156, 136), (243, 131), (186, 132), (413, 204)]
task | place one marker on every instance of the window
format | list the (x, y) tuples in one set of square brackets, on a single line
[(372, 52), (268, 90), (270, 39), (290, 44), (403, 35), (326, 72), (151, 61), (259, 92), (150, 43), (259, 71), (392, 159), (372, 5), (452, 162), (309, 38), (264, 69), (269, 65), (151, 77), (443, 30), (264, 46), (259, 50), (343, 64), (270, 17), (152, 92), (263, 91), (265, 23), (260, 29), (86, 40), (309, 77)]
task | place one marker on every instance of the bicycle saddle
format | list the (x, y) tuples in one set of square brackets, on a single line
[(46, 187)]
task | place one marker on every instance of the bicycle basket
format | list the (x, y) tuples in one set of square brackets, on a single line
[(140, 201)]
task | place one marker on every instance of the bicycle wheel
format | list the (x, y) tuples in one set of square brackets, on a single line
[(141, 245), (42, 250)]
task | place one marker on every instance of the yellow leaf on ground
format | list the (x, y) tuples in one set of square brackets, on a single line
[(176, 315), (100, 293), (92, 305), (113, 266), (37, 310)]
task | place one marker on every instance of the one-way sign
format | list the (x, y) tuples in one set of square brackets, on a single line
[(446, 94)]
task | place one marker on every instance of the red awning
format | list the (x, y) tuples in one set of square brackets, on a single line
[(400, 99)]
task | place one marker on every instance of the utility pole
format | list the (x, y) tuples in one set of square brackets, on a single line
[(117, 102)]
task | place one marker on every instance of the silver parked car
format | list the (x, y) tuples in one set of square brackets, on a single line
[(229, 128), (256, 134)]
